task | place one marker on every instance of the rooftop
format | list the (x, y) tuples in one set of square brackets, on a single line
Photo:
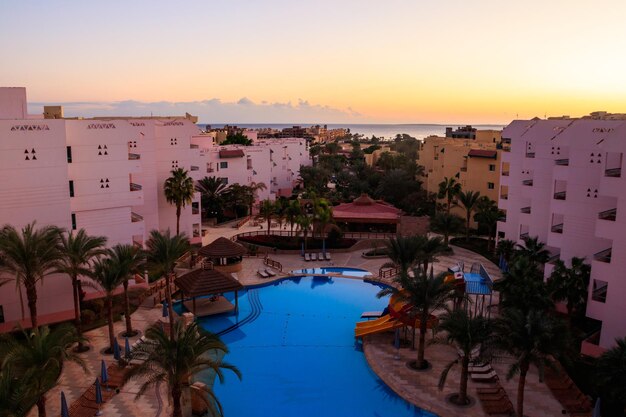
[(222, 248), (206, 282)]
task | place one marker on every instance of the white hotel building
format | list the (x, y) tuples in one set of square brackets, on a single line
[(562, 181), (106, 176)]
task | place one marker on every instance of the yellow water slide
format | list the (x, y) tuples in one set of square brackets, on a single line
[(370, 323), (377, 328)]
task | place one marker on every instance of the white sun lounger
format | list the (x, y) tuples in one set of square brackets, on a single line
[(314, 256), (327, 256), (262, 273), (486, 377), (320, 256), (270, 272), (480, 369), (307, 257)]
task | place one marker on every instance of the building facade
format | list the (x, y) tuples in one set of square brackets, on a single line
[(562, 181)]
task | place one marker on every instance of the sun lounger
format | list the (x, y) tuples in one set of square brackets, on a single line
[(327, 256), (490, 390), (480, 369), (307, 257), (487, 377), (314, 256), (262, 273), (270, 272)]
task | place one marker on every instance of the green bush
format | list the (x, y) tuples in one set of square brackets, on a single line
[(88, 317)]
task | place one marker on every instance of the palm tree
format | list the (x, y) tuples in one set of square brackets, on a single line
[(179, 190), (292, 212), (267, 212), (522, 287), (428, 249), (488, 214), (570, 284), (467, 333), (77, 250), (212, 190), (322, 214), (449, 189), (534, 250), (469, 201), (610, 375), (255, 187), (531, 338), (174, 360), (30, 255), (304, 224), (129, 260), (37, 359), (403, 253), (108, 276), (506, 249), (280, 207), (446, 224), (16, 397), (162, 253)]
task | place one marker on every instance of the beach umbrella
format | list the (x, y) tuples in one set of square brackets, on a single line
[(65, 412), (126, 348), (98, 396), (116, 350), (104, 375), (165, 311)]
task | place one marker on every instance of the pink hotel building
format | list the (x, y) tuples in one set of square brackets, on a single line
[(106, 176), (562, 181)]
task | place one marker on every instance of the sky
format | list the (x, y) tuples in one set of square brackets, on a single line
[(340, 61)]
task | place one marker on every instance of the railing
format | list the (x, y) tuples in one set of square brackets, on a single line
[(599, 294), (562, 162), (194, 168), (388, 272), (603, 256), (523, 235), (192, 146), (525, 210), (195, 210), (134, 217), (134, 156), (557, 228), (209, 170), (560, 195), (613, 172), (505, 173), (242, 222), (530, 154), (608, 215), (504, 196), (347, 235), (528, 182), (552, 259), (135, 187), (273, 264), (196, 233)]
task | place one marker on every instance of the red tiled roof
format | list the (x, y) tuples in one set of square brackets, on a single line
[(222, 248), (481, 153), (365, 208), (207, 282), (232, 153)]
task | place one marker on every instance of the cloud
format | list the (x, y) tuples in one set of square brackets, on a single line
[(213, 110)]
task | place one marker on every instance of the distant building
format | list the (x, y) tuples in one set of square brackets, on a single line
[(562, 181)]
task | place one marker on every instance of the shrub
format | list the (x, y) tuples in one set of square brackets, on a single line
[(88, 317)]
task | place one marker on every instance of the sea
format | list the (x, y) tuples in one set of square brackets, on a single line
[(381, 131)]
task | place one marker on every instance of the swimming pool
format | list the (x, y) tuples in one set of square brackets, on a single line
[(295, 347), (348, 272)]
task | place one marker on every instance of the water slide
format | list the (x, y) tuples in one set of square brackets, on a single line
[(377, 328), (370, 323)]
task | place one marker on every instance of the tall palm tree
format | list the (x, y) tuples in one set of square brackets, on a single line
[(37, 358), (129, 260), (428, 249), (16, 396), (403, 253), (469, 201), (449, 189), (162, 253), (29, 254), (506, 249), (255, 187), (304, 222), (610, 375), (522, 287), (212, 191), (77, 250), (534, 250), (179, 190), (488, 214), (108, 276), (174, 360), (570, 284), (267, 212), (467, 333), (446, 224), (322, 214), (531, 338), (292, 212)]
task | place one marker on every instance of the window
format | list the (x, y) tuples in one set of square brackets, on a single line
[(73, 221), (69, 154), (224, 180), (491, 185), (599, 290), (223, 165), (492, 167), (71, 188)]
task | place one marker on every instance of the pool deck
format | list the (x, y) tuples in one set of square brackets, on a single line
[(419, 388)]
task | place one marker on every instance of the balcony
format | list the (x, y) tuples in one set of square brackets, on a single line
[(463, 169), (504, 197), (557, 228), (209, 170), (194, 146), (194, 168), (552, 259), (528, 182), (524, 236), (133, 156), (195, 210), (530, 154), (603, 256), (613, 172), (525, 210), (134, 217), (609, 215), (560, 195), (562, 162), (135, 187), (505, 173)]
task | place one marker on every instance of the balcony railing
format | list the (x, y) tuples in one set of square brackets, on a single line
[(525, 210), (135, 187), (504, 196), (194, 168), (524, 235), (613, 172), (134, 156), (599, 294), (528, 182), (560, 195), (192, 146), (552, 259), (562, 162), (530, 154), (195, 210), (134, 217), (603, 256), (608, 215), (557, 228), (505, 173), (209, 170)]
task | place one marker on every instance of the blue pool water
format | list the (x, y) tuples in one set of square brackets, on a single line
[(349, 272), (295, 347)]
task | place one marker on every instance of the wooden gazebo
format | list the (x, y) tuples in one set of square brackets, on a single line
[(225, 254), (205, 282)]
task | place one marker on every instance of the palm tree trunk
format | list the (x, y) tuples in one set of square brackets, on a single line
[(464, 372), (291, 231), (422, 341), (178, 210), (77, 313), (41, 406), (129, 325), (177, 410), (31, 295), (170, 309), (520, 388), (467, 226), (269, 224), (110, 321)]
